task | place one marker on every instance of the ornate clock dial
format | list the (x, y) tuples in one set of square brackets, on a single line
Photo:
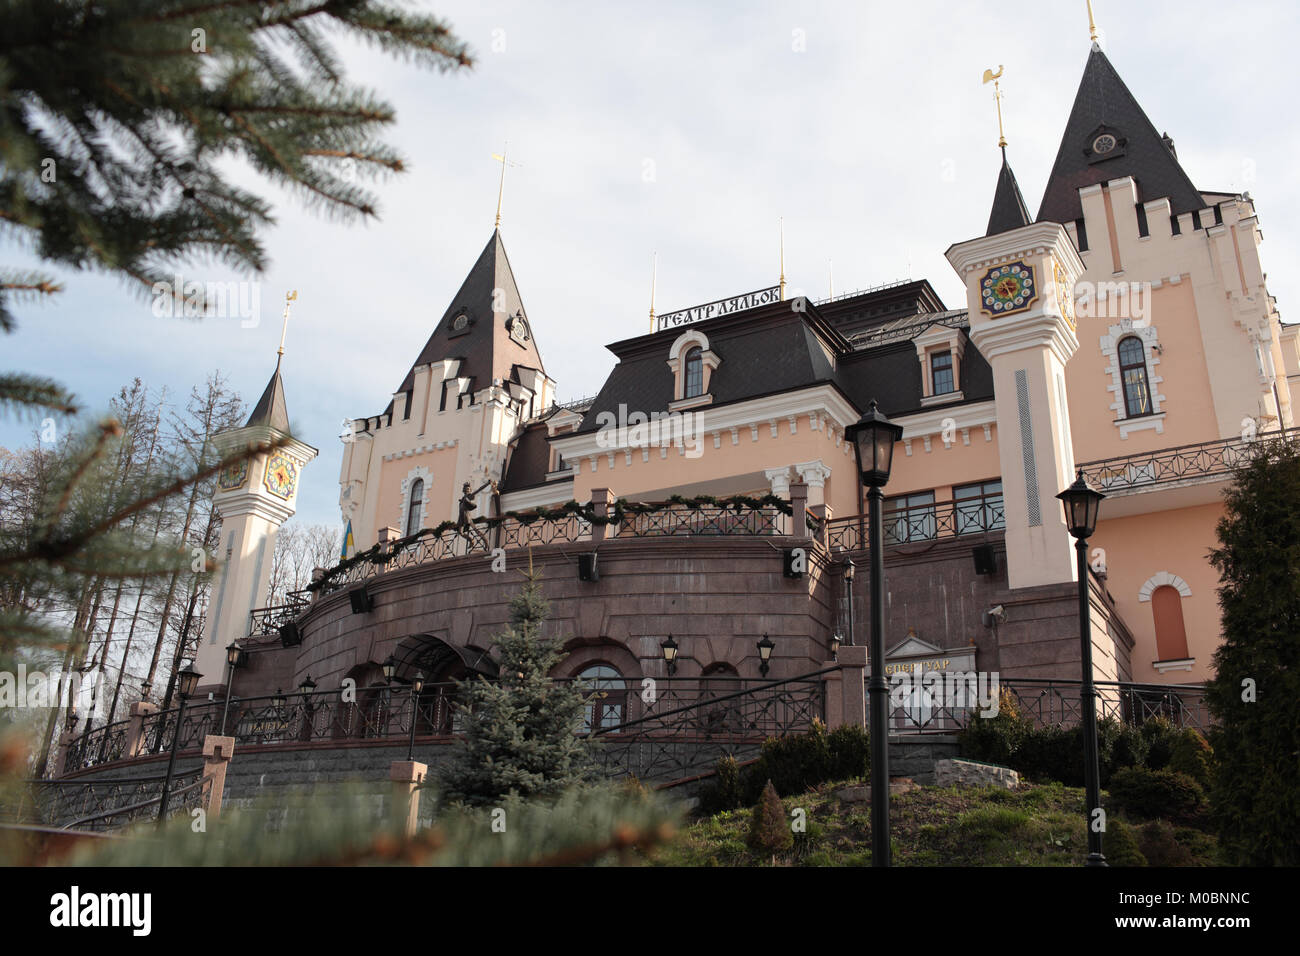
[(1103, 143), (1008, 288), (281, 476), (233, 476)]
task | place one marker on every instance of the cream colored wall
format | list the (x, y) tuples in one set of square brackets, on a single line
[(941, 467), (1139, 546)]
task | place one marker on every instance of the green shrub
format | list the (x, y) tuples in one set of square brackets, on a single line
[(1155, 793), (850, 752), (1193, 756), (723, 792), (1051, 753), (1159, 734), (1120, 845), (995, 739), (768, 828), (792, 764), (1131, 748), (1160, 845)]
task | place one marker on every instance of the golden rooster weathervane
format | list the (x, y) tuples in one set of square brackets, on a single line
[(991, 77)]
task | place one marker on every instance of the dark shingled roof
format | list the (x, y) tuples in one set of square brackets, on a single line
[(486, 349), (777, 348), (530, 459), (270, 408), (1009, 209), (1104, 103)]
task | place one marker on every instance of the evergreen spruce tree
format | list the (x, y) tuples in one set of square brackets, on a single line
[(521, 731), (1255, 794)]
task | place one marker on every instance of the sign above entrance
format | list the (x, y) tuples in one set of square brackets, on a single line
[(711, 310)]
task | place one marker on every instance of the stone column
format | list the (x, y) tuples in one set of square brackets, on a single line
[(406, 776), (217, 752), (814, 475), (799, 507), (779, 479), (386, 537), (135, 736), (601, 499), (834, 696), (853, 686)]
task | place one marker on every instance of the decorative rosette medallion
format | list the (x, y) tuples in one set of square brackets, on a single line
[(281, 476), (1008, 289)]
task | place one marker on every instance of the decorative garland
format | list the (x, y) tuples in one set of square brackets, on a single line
[(375, 555)]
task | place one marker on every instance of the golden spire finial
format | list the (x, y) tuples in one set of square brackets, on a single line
[(781, 226), (284, 327), (991, 77), (1092, 24), (654, 277), (501, 187)]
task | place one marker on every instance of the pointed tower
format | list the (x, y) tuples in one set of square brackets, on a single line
[(1009, 210), (452, 419), (254, 498)]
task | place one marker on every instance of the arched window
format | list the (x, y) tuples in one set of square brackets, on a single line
[(415, 506), (606, 693), (694, 373), (1171, 635), (1133, 375)]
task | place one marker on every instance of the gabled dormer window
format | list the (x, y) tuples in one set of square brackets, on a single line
[(692, 364), (939, 350)]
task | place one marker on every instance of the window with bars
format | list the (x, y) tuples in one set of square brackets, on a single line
[(978, 507), (606, 694), (1133, 376), (941, 376)]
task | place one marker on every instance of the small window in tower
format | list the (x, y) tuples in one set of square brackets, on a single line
[(1133, 374), (941, 372), (694, 373), (415, 507)]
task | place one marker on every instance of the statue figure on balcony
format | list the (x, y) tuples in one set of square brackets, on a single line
[(464, 524)]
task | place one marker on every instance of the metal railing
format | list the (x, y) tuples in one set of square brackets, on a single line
[(97, 805), (266, 621), (685, 729), (920, 523), (98, 745), (1218, 458), (1055, 703), (703, 521)]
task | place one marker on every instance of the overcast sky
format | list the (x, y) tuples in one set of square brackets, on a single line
[(687, 129)]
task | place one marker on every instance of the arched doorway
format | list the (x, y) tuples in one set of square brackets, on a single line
[(441, 664)]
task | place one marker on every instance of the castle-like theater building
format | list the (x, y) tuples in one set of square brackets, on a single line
[(1125, 330)]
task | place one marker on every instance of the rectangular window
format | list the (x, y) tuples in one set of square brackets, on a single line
[(909, 518), (978, 507), (941, 373)]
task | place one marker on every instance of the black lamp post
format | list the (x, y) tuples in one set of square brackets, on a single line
[(417, 685), (390, 670), (186, 681), (764, 654), (849, 568), (232, 661), (874, 437), (1082, 503), (669, 647)]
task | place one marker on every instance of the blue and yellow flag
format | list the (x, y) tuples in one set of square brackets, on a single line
[(348, 543)]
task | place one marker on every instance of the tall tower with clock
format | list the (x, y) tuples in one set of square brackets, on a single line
[(254, 498)]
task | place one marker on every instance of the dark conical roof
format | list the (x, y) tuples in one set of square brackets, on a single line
[(490, 300), (1009, 210), (1104, 105), (270, 409)]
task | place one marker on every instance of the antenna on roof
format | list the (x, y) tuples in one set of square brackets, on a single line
[(654, 276), (781, 226), (990, 76)]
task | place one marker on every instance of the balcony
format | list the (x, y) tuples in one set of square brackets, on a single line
[(918, 522)]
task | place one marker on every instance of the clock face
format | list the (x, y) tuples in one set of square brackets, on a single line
[(1103, 143), (519, 329), (233, 476), (459, 323), (281, 476), (1007, 289)]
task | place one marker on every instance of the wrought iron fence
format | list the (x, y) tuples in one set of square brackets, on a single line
[(267, 620), (670, 520), (520, 533), (97, 745), (927, 521), (685, 728), (98, 805), (1179, 463), (1051, 703)]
